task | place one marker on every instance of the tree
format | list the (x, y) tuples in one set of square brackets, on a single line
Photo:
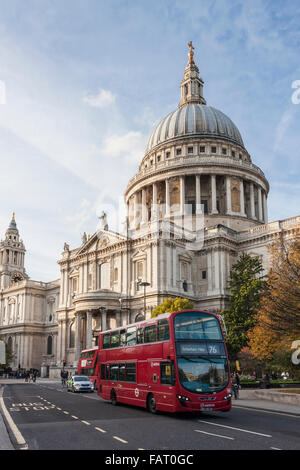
[(246, 285), (172, 305), (278, 319)]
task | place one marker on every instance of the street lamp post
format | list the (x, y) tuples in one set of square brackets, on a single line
[(144, 284)]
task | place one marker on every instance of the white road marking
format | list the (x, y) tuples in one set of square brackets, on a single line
[(66, 412), (101, 430), (216, 435), (20, 439), (75, 417), (236, 429), (119, 439), (85, 422), (282, 413), (275, 448)]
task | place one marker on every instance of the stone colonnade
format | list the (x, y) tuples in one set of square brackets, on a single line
[(257, 205)]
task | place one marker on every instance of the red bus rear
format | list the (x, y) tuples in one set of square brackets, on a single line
[(174, 362), (88, 365)]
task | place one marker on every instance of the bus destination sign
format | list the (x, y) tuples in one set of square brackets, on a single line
[(196, 349)]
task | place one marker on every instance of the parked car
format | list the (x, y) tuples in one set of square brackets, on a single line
[(80, 383)]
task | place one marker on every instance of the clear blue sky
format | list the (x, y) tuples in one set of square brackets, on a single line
[(86, 81)]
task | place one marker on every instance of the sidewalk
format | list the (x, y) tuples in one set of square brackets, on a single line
[(5, 442), (248, 400)]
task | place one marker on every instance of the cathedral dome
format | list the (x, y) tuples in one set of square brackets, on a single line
[(195, 120)]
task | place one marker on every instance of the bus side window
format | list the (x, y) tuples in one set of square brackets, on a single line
[(150, 334), (114, 339), (114, 372), (123, 338), (103, 371), (131, 372), (131, 336), (163, 331), (122, 375), (140, 336), (106, 341)]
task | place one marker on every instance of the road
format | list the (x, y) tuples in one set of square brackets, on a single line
[(50, 418)]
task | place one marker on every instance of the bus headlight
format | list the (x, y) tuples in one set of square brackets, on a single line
[(227, 397), (183, 398)]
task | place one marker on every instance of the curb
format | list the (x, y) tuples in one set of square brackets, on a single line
[(10, 425)]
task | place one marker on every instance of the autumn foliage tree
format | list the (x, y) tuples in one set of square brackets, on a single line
[(172, 305), (278, 318)]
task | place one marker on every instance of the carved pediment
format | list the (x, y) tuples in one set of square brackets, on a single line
[(100, 240)]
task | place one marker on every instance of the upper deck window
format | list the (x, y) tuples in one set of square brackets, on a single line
[(196, 326)]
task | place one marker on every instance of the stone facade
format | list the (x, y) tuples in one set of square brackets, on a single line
[(196, 203)]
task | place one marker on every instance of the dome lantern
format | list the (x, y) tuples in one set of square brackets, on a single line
[(192, 84)]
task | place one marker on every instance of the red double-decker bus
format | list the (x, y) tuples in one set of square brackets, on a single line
[(174, 362), (88, 365)]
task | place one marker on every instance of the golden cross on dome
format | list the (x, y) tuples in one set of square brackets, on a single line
[(13, 216), (190, 44)]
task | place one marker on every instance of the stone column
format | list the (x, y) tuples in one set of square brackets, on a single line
[(58, 347), (89, 331), (198, 195), (260, 215), (265, 207), (242, 199), (154, 210), (252, 202), (144, 207), (135, 205), (167, 198), (103, 320), (78, 336), (182, 195), (213, 195), (228, 195)]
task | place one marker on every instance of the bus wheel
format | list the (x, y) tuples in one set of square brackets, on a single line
[(151, 404), (113, 398)]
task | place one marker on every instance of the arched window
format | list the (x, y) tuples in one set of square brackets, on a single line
[(49, 345), (139, 317)]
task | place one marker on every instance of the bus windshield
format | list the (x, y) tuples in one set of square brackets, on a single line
[(203, 375), (196, 326)]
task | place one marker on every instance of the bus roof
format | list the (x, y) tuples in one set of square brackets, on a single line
[(158, 317)]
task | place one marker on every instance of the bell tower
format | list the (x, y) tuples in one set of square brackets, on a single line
[(12, 255)]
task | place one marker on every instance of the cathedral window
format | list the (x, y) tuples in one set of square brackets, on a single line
[(140, 270), (90, 281), (75, 284), (232, 153), (167, 154), (178, 151), (202, 149), (224, 151), (190, 149), (116, 274), (213, 149), (203, 275), (72, 335)]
